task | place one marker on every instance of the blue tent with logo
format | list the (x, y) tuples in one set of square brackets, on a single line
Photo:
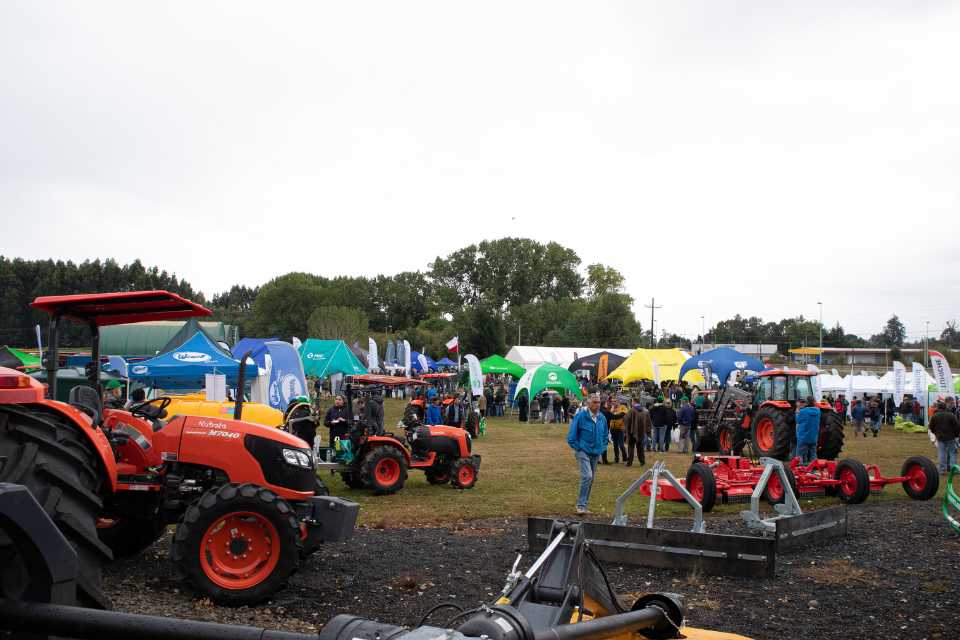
[(415, 362), (257, 347), (446, 362), (722, 361), (186, 366)]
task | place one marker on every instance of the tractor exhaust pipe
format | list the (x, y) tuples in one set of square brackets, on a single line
[(90, 624), (241, 380)]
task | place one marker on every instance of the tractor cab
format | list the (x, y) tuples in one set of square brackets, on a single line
[(785, 385)]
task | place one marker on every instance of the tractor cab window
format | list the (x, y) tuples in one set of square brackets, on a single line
[(800, 388), (763, 390), (779, 388)]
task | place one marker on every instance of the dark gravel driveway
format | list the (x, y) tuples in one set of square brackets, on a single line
[(896, 575)]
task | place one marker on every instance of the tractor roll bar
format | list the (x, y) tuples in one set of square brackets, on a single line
[(92, 624), (241, 380)]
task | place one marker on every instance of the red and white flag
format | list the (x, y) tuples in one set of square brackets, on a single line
[(453, 345)]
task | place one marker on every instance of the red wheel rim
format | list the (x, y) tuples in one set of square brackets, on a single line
[(239, 550), (695, 487), (387, 471), (848, 481), (725, 440), (107, 523), (465, 474), (775, 487), (764, 431), (916, 478)]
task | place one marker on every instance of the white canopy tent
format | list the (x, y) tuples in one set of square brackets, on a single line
[(530, 357)]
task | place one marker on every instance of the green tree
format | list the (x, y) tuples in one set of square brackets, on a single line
[(284, 305), (338, 323), (602, 279), (481, 331), (893, 334)]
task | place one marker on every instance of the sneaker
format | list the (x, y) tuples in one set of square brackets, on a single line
[(582, 510)]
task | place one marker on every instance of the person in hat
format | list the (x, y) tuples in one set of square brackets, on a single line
[(113, 394)]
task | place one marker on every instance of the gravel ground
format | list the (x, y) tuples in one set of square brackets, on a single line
[(897, 574)]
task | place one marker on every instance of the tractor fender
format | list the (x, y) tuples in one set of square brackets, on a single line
[(94, 434), (779, 404), (457, 434), (377, 441)]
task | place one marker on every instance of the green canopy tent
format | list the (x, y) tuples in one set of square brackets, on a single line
[(322, 358), (548, 376), (498, 364), (16, 359)]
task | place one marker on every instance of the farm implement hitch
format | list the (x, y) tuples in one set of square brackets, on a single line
[(564, 595)]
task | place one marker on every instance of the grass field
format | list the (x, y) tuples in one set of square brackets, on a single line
[(529, 470)]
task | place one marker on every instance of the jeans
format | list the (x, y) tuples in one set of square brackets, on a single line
[(661, 435), (685, 443), (618, 448), (875, 424), (807, 452), (588, 469), (946, 455)]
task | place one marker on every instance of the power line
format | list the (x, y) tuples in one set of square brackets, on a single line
[(653, 307)]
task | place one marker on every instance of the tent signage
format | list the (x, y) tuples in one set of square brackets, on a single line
[(140, 369), (191, 356)]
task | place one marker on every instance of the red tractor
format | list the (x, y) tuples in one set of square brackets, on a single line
[(372, 458), (245, 498), (765, 419)]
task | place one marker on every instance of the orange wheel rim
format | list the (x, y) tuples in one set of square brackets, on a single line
[(465, 475), (916, 478), (239, 550), (387, 471), (765, 434), (725, 440)]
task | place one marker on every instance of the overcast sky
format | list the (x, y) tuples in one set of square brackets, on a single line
[(727, 157)]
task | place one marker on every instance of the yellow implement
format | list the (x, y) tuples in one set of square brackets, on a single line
[(193, 404)]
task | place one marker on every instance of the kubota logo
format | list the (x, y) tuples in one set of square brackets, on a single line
[(191, 356)]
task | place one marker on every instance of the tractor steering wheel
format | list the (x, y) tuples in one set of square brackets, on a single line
[(146, 410)]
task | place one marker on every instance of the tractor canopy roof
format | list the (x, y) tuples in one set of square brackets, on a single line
[(104, 309), (786, 372)]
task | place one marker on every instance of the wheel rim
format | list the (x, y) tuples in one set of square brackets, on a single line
[(725, 439), (695, 487), (848, 481), (387, 471), (775, 487), (107, 523), (239, 550), (916, 478), (764, 431), (465, 474)]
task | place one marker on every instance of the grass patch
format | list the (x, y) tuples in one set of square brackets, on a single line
[(836, 573), (528, 470)]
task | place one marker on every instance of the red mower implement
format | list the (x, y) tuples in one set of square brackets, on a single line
[(245, 498), (732, 479)]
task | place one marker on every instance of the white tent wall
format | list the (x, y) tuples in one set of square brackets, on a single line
[(530, 357)]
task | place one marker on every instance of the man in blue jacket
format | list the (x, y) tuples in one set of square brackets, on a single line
[(808, 429), (433, 411), (587, 437)]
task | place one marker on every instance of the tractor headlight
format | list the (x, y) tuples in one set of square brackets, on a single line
[(297, 458)]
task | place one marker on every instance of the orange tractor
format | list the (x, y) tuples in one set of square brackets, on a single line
[(765, 419), (245, 498)]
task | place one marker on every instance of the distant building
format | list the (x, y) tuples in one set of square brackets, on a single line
[(877, 356), (757, 350)]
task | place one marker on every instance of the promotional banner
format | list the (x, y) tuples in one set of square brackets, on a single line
[(817, 390), (656, 372), (919, 383), (287, 380), (406, 358), (296, 342), (373, 358), (941, 373), (899, 381), (476, 375), (424, 365), (391, 353), (849, 395)]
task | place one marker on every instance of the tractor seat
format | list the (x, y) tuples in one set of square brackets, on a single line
[(86, 399)]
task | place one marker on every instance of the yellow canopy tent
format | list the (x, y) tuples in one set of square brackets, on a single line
[(639, 366)]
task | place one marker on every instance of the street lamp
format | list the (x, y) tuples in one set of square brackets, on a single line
[(820, 329)]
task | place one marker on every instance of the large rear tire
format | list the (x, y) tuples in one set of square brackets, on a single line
[(702, 485), (384, 469), (771, 434), (129, 536), (46, 452), (238, 544), (830, 442)]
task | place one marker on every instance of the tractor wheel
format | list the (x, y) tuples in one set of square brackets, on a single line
[(353, 479), (730, 440), (238, 544), (438, 474), (320, 487), (43, 450), (922, 480), (703, 443), (129, 536), (771, 434), (384, 469), (830, 443), (854, 485), (773, 493), (702, 485), (463, 473)]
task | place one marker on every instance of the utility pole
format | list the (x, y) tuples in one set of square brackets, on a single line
[(926, 344), (518, 333), (653, 307)]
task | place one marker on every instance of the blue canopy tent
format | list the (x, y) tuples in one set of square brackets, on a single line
[(445, 362), (415, 362), (258, 347), (186, 366), (722, 361)]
